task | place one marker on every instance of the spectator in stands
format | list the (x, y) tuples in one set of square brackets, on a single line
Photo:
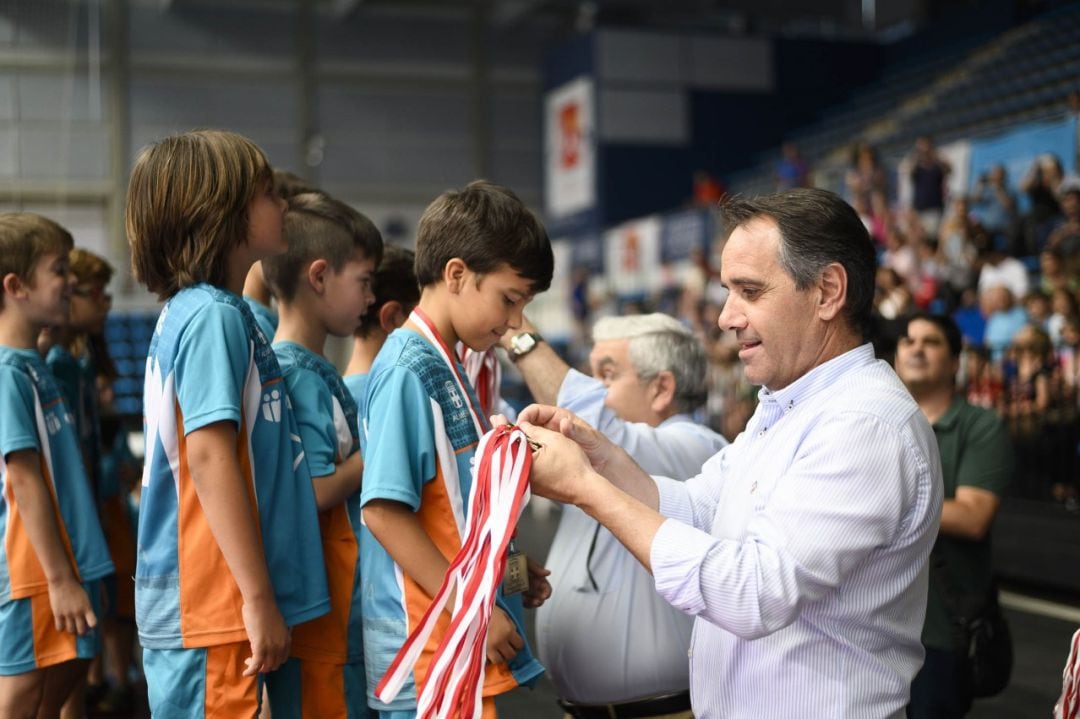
[(976, 468), (985, 387), (994, 205), (866, 189), (956, 246), (999, 269), (1041, 185), (900, 254), (970, 317), (1065, 237), (1037, 306), (1003, 319), (1052, 272), (928, 175), (892, 298), (707, 189), (1063, 306), (791, 171), (929, 283)]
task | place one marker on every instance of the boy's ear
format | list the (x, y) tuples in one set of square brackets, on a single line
[(13, 284), (454, 274), (316, 274), (391, 316)]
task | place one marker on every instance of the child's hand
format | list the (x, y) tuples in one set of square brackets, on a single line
[(539, 587), (269, 637), (503, 641), (71, 607)]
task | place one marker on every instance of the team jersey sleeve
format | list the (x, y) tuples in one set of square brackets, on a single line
[(399, 426), (211, 365), (313, 408), (18, 426)]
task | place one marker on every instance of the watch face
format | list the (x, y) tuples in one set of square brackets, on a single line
[(523, 343)]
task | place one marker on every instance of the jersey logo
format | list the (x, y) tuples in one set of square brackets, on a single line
[(271, 406), (455, 398), (52, 423)]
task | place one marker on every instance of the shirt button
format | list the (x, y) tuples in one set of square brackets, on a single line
[(762, 432)]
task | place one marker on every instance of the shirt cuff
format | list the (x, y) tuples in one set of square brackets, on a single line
[(677, 553), (674, 500)]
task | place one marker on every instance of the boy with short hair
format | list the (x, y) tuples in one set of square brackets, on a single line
[(53, 550), (229, 550), (323, 286), (481, 256)]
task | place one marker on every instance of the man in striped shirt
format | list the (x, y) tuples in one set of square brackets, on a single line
[(801, 548)]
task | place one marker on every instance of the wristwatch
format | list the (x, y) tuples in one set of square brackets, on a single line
[(523, 344)]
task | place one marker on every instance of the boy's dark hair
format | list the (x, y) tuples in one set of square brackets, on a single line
[(319, 227), (946, 324), (817, 228), (395, 281), (187, 207), (486, 226), (24, 239), (288, 184)]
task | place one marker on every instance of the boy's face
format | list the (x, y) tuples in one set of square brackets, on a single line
[(89, 306), (265, 214), (347, 296), (48, 292), (488, 305)]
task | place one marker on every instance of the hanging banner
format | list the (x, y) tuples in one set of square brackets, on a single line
[(632, 256), (570, 148)]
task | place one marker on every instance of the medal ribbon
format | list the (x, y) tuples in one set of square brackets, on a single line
[(454, 684), (485, 375), (427, 327)]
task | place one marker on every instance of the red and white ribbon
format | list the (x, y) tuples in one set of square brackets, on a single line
[(431, 332), (1068, 706), (485, 375), (453, 686)]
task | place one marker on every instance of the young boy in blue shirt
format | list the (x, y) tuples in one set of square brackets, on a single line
[(323, 286), (53, 550), (229, 551), (481, 256)]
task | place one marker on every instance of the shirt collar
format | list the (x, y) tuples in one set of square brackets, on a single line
[(818, 378), (951, 415)]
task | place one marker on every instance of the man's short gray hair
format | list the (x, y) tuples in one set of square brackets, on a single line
[(660, 343)]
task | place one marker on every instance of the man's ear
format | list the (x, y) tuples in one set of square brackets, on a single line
[(663, 388), (833, 288), (316, 275), (454, 274), (391, 316)]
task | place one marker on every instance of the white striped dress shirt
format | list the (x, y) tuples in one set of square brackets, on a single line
[(802, 550)]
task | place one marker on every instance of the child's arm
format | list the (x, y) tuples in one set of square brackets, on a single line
[(70, 605), (400, 533), (215, 472), (333, 489)]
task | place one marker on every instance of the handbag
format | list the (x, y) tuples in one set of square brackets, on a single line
[(984, 633)]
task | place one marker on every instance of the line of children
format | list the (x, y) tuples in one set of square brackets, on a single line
[(251, 504), (54, 554)]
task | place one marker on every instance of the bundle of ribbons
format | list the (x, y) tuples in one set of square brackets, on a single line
[(1068, 706), (452, 688)]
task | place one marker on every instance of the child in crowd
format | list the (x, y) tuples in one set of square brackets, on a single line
[(481, 256), (396, 294), (229, 549), (323, 286), (53, 551)]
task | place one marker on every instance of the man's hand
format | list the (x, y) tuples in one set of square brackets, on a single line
[(539, 587), (598, 448), (503, 641), (71, 607), (269, 637), (559, 468)]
